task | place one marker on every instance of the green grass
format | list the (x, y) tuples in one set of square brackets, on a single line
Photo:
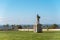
[(18, 35)]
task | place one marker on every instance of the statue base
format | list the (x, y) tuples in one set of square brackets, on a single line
[(38, 28)]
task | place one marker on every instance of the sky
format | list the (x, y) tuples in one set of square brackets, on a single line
[(25, 11)]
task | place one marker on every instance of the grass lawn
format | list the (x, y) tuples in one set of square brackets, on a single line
[(18, 35)]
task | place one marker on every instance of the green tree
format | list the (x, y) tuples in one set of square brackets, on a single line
[(54, 26), (6, 27), (13, 27), (19, 26)]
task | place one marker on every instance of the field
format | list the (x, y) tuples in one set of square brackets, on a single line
[(21, 35)]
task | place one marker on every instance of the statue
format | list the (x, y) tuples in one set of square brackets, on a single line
[(38, 17), (37, 27)]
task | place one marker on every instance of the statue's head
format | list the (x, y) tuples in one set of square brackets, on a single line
[(38, 16)]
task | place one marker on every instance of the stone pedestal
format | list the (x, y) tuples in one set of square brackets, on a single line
[(37, 28)]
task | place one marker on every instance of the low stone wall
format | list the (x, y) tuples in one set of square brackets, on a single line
[(51, 30), (25, 29), (42, 29)]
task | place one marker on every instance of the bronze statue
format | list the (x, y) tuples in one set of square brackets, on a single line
[(38, 17)]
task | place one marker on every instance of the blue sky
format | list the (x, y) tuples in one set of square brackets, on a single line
[(25, 11)]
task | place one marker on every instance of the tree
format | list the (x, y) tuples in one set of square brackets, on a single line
[(54, 26), (13, 27), (6, 27), (19, 26)]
